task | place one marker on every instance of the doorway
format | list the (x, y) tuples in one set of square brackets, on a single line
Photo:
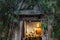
[(32, 30)]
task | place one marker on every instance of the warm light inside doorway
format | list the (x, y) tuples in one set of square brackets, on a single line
[(32, 29)]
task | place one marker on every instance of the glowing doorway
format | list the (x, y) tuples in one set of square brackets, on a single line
[(32, 29)]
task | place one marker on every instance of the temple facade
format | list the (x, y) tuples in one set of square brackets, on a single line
[(33, 25)]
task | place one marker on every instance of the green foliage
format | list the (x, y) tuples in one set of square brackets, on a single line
[(48, 5), (7, 8), (58, 3), (56, 30), (43, 24), (6, 11), (52, 34)]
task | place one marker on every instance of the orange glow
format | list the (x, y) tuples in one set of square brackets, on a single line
[(38, 31)]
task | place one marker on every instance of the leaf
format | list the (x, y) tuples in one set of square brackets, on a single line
[(43, 25)]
